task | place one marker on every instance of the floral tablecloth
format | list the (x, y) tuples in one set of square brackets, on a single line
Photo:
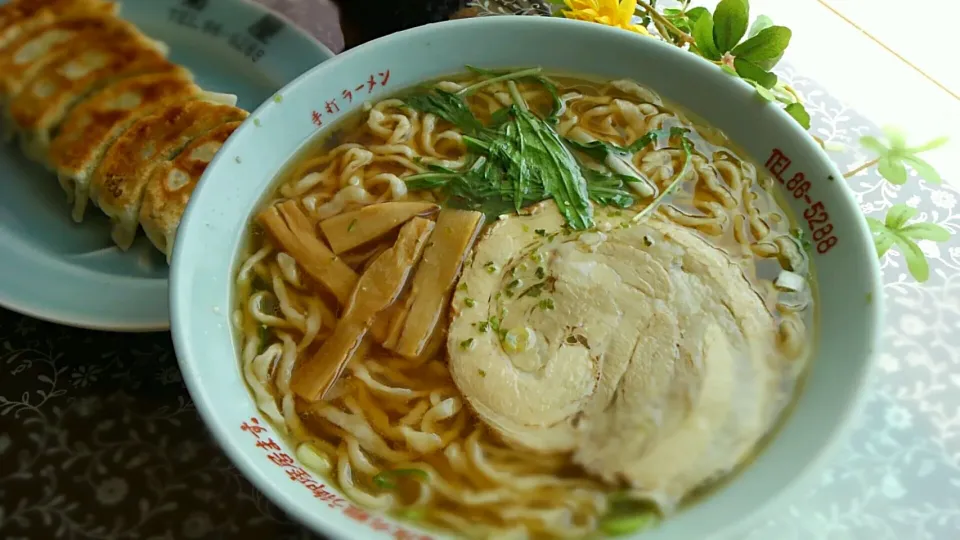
[(99, 439)]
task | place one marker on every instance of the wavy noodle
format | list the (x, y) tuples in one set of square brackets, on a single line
[(388, 412), (245, 274), (255, 307), (256, 371), (345, 479)]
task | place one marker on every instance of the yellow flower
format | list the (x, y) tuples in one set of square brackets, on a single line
[(617, 13)]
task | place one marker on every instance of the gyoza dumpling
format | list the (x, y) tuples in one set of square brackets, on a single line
[(118, 184), (21, 16), (96, 123), (32, 51), (172, 183), (42, 105)]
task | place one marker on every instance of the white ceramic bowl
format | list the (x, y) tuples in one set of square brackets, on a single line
[(205, 260)]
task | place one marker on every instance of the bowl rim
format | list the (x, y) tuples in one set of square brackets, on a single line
[(253, 470)]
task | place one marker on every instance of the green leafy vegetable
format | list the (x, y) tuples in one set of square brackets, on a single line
[(703, 37), (609, 189), (448, 106), (893, 170), (388, 479), (544, 81), (765, 48), (684, 20), (600, 150), (894, 231), (799, 113), (762, 22), (894, 157), (750, 71), (687, 148), (730, 20), (520, 162), (763, 92)]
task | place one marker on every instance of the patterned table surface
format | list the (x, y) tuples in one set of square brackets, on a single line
[(99, 439)]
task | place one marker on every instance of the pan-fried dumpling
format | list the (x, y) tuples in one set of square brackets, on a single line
[(21, 16), (119, 182), (96, 123), (172, 183), (42, 105), (26, 56)]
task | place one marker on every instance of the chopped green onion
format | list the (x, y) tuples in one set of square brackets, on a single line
[(621, 525), (387, 479)]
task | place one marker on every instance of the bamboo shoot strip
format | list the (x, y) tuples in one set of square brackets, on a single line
[(351, 229), (376, 290), (291, 228), (435, 278)]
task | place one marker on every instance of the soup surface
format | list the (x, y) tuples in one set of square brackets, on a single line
[(516, 306)]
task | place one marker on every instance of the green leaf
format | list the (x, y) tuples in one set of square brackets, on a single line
[(892, 169), (697, 12), (925, 231), (924, 169), (875, 224), (799, 113), (537, 153), (898, 140), (599, 150), (730, 21), (447, 106), (749, 70), (609, 189), (872, 143), (916, 260), (687, 146), (763, 92), (898, 216), (767, 46), (729, 70), (703, 37), (883, 242), (936, 143), (532, 74), (762, 22)]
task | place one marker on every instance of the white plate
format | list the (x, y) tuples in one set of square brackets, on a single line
[(54, 269)]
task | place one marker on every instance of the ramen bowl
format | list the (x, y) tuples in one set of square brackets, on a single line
[(215, 229)]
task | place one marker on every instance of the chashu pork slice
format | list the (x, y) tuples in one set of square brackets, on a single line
[(643, 351), (94, 125), (169, 189), (22, 59), (19, 17), (37, 111), (119, 182)]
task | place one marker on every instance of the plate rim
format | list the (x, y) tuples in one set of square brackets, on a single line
[(89, 320)]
